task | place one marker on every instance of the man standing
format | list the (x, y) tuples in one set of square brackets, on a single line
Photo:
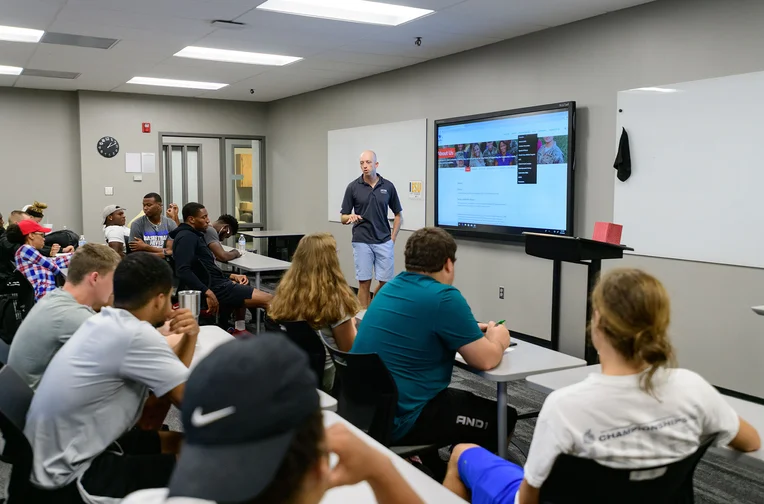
[(150, 232), (52, 321), (365, 207)]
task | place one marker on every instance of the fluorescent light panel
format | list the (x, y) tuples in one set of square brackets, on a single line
[(10, 70), (656, 90), (252, 58), (16, 34), (356, 11), (151, 81)]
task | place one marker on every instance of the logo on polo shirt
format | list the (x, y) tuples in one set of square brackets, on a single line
[(383, 191)]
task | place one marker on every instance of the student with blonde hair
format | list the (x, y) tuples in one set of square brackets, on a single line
[(315, 290), (639, 412)]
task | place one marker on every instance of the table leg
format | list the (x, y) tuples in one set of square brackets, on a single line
[(501, 417), (257, 311)]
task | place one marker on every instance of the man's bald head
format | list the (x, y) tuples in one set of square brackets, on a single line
[(368, 161)]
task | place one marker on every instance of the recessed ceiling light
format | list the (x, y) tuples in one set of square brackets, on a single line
[(16, 34), (252, 58), (356, 11), (151, 81), (656, 90), (10, 70)]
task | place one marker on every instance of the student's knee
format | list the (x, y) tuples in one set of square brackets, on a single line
[(458, 450)]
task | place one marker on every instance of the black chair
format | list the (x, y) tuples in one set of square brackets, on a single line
[(577, 480), (14, 403), (5, 349), (368, 398), (16, 299), (305, 337)]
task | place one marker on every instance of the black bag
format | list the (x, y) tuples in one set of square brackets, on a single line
[(65, 238), (16, 299)]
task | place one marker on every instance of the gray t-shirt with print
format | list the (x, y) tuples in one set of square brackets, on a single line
[(49, 325), (154, 235), (93, 392)]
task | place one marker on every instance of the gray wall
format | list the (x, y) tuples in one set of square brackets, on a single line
[(40, 154), (120, 116), (590, 61)]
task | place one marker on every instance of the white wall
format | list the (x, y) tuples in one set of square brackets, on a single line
[(40, 154), (590, 61)]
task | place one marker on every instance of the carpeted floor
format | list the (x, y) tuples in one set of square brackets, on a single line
[(717, 480)]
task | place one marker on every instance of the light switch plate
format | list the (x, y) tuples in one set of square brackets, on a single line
[(137, 178), (108, 191)]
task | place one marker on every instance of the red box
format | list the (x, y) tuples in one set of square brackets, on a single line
[(146, 127), (607, 232)]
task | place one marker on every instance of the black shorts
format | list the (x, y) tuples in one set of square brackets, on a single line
[(232, 295), (456, 416), (134, 462)]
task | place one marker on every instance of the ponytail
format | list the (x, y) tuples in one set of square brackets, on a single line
[(634, 315)]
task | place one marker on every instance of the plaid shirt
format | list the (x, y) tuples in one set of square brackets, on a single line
[(40, 270)]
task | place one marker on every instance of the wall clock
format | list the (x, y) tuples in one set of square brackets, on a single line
[(108, 147)]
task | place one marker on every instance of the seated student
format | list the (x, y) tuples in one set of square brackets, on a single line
[(114, 230), (416, 324), (191, 252), (267, 444), (637, 388), (222, 229), (38, 269), (150, 233), (53, 320), (94, 388), (17, 216), (8, 249), (314, 289)]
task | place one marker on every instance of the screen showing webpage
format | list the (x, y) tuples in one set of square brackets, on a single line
[(506, 175)]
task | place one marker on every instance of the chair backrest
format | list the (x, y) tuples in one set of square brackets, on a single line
[(5, 349), (575, 480), (368, 396), (14, 403), (305, 337), (16, 300)]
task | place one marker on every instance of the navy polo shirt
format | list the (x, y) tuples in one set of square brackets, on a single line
[(371, 203)]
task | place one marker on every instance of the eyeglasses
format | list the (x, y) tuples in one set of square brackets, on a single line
[(38, 233)]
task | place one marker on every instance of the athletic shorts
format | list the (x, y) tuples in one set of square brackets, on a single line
[(134, 462), (456, 416), (374, 256), (232, 295), (491, 479)]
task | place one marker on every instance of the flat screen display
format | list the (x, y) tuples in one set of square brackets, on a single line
[(498, 175)]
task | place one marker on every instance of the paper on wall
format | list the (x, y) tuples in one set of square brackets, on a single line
[(148, 162), (132, 162)]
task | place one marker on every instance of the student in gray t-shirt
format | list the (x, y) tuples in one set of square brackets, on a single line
[(222, 229), (150, 233), (94, 388), (57, 316)]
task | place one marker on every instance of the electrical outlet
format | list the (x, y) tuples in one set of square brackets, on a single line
[(501, 292)]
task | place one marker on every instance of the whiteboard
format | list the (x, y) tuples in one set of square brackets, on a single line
[(401, 150), (697, 186)]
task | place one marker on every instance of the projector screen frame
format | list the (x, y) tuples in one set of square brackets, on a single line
[(518, 238)]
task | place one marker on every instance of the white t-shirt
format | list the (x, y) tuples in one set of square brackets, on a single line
[(115, 234), (609, 419), (93, 391)]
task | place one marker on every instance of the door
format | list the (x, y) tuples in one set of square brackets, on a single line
[(245, 197), (191, 172)]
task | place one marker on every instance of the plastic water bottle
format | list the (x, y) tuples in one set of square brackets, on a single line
[(82, 241), (241, 246)]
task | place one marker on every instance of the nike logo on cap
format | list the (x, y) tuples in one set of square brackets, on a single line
[(201, 420)]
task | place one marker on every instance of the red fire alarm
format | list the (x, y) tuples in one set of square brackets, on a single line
[(146, 127)]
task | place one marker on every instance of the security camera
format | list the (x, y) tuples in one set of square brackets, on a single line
[(251, 91), (418, 41)]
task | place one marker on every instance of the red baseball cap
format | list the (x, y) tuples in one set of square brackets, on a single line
[(31, 226)]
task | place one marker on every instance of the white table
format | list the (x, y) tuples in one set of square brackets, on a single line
[(759, 310), (751, 412), (256, 263), (428, 489), (210, 337), (269, 233), (520, 361)]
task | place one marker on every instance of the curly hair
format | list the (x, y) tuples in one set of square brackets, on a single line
[(314, 289)]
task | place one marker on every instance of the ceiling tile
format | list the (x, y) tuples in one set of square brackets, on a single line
[(190, 9), (29, 13), (188, 69), (371, 59), (16, 53), (157, 90), (8, 80)]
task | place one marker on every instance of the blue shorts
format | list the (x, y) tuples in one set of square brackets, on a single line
[(379, 256), (491, 479)]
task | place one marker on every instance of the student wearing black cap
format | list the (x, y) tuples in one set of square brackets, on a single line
[(266, 443)]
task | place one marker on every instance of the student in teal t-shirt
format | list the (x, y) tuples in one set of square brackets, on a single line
[(416, 324)]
